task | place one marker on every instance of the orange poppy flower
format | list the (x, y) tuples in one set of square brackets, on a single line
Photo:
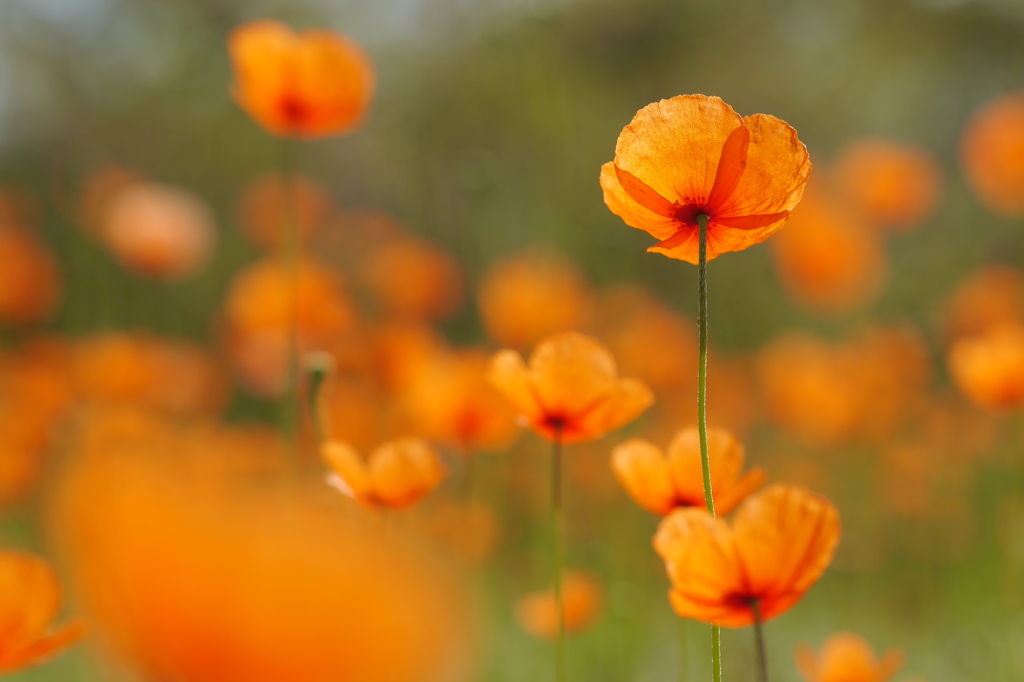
[(158, 231), (662, 177), (397, 474), (989, 367), (827, 260), (780, 542), (992, 154), (581, 605), (530, 296), (452, 402), (415, 279), (888, 183), (570, 391), (30, 286), (310, 84), (659, 484), (245, 584), (846, 657), (268, 206), (31, 601), (991, 296)]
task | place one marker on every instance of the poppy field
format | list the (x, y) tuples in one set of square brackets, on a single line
[(511, 340)]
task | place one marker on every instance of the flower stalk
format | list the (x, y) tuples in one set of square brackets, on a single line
[(558, 523)]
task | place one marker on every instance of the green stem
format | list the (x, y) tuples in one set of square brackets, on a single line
[(558, 522), (762, 658), (291, 408), (702, 417)]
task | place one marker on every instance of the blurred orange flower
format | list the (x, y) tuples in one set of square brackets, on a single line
[(268, 206), (581, 605), (846, 657), (530, 296), (659, 484), (452, 402), (31, 600), (570, 391), (413, 278), (469, 529), (634, 321), (157, 230), (779, 544), (30, 284), (991, 296), (661, 178), (310, 84), (226, 582), (827, 260), (989, 367), (992, 154), (888, 183), (398, 473)]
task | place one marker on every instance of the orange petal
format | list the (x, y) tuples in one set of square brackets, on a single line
[(726, 456), (785, 537), (752, 222), (628, 400), (644, 195), (43, 648), (403, 471), (721, 240), (643, 471), (29, 598), (508, 373), (632, 212), (572, 374), (777, 170), (731, 165), (700, 554), (349, 474), (742, 488)]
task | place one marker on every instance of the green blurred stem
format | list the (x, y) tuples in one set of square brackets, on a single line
[(684, 652), (291, 408), (558, 522), (762, 658), (702, 417)]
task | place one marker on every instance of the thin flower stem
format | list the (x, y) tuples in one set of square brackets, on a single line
[(684, 652), (762, 658), (558, 521), (291, 408), (702, 417)]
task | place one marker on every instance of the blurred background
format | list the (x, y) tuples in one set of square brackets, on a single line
[(139, 207)]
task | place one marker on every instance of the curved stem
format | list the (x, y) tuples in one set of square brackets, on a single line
[(702, 417), (558, 522), (762, 658)]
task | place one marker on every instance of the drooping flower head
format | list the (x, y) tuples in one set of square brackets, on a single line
[(661, 483), (846, 657), (779, 544), (693, 155), (570, 390), (309, 85), (29, 602)]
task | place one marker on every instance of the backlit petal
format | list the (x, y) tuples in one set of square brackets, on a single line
[(643, 471)]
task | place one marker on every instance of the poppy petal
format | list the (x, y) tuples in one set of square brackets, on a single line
[(644, 195), (573, 374), (643, 471), (751, 222), (509, 375), (739, 490), (632, 212), (403, 471), (349, 475), (730, 167), (44, 647)]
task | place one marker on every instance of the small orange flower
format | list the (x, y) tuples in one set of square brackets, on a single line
[(991, 296), (779, 544), (158, 231), (268, 206), (888, 183), (662, 177), (452, 402), (989, 367), (30, 602), (527, 297), (828, 260), (30, 287), (992, 154), (659, 484), (846, 657), (397, 474), (581, 605), (571, 390), (311, 84), (415, 279)]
